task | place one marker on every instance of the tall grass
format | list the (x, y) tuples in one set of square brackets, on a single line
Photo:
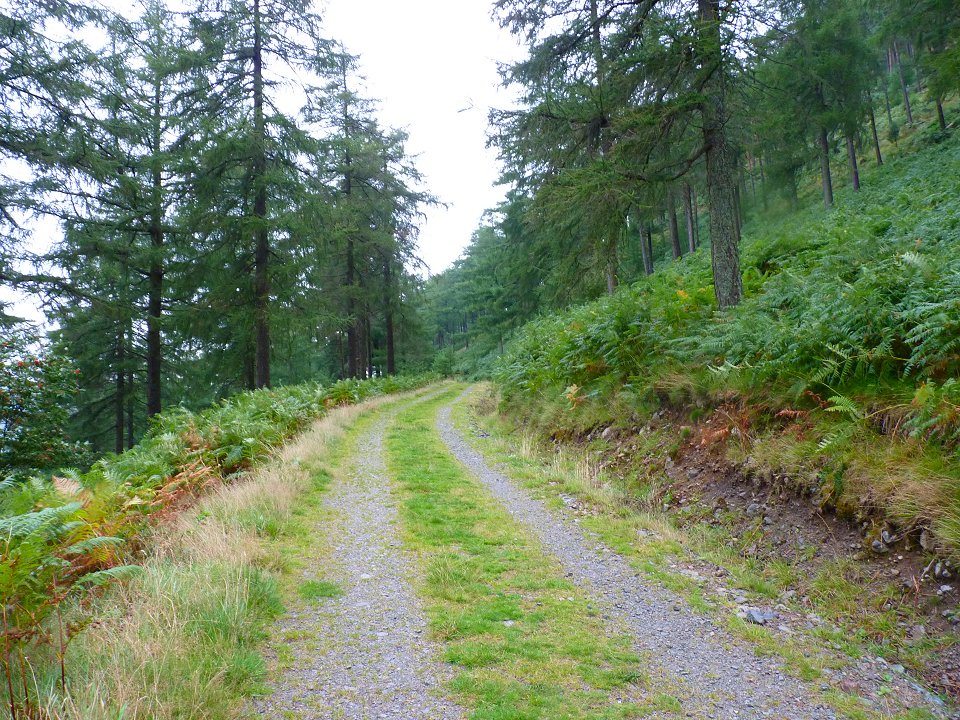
[(180, 641), (63, 541)]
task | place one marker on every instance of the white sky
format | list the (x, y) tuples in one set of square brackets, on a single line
[(433, 66)]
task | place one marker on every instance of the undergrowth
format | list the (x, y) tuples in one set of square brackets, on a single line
[(626, 513), (64, 538), (850, 328)]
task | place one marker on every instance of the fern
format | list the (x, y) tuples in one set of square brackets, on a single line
[(845, 406), (114, 574)]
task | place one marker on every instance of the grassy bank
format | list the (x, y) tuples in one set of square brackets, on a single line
[(839, 368), (181, 634), (853, 616)]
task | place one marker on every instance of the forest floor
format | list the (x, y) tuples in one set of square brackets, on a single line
[(439, 574)]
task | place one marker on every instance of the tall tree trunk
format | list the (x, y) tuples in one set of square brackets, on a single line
[(674, 225), (646, 248), (763, 182), (825, 178), (130, 387), (361, 342), (368, 330), (741, 213), (262, 237), (611, 270), (250, 365), (903, 85), (873, 131), (130, 408), (886, 100), (940, 116), (353, 341), (688, 216), (721, 163), (854, 170), (696, 215), (155, 281), (388, 317), (120, 381)]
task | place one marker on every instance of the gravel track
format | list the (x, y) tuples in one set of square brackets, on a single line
[(717, 675), (365, 654)]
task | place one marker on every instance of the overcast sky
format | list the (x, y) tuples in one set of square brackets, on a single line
[(433, 66)]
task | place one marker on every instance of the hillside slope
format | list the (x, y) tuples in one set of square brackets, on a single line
[(840, 367)]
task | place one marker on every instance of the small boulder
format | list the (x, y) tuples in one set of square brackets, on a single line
[(760, 617)]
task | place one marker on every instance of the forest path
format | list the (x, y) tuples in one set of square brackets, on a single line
[(357, 649), (435, 587), (719, 676)]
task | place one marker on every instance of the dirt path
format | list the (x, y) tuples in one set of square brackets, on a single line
[(364, 654), (721, 677)]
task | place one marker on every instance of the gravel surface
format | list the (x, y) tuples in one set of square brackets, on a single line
[(364, 654), (718, 676)]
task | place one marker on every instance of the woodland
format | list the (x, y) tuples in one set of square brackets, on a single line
[(752, 207)]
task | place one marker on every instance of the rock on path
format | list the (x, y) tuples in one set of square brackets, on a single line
[(720, 677), (363, 655)]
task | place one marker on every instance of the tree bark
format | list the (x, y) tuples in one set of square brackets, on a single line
[(353, 345), (903, 85), (825, 178), (120, 380), (611, 269), (721, 163), (368, 330), (130, 409), (388, 318), (873, 131), (940, 116), (854, 170), (674, 226), (688, 216), (696, 215), (646, 248), (611, 279), (262, 238), (155, 273)]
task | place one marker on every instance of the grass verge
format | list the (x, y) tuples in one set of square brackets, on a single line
[(527, 642)]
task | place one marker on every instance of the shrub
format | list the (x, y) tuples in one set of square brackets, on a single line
[(36, 388)]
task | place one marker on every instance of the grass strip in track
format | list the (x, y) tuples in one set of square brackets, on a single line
[(527, 642)]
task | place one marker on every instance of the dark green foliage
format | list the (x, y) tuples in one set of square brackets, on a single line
[(36, 390)]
